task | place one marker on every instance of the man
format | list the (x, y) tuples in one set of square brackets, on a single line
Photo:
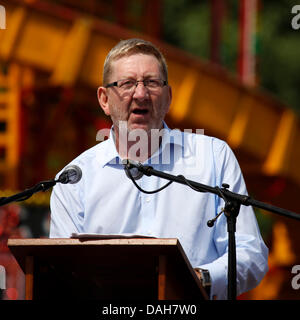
[(136, 95)]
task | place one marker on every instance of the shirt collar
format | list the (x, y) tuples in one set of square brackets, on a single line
[(169, 137), (110, 154)]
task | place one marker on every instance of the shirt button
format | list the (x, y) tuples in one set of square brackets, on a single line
[(147, 199)]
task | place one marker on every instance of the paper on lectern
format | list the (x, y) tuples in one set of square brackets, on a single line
[(108, 235)]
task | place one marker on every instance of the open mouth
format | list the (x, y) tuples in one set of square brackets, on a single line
[(140, 111)]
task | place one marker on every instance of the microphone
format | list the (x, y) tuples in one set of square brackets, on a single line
[(130, 165), (72, 174)]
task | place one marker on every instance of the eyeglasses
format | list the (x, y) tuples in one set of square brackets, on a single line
[(128, 85)]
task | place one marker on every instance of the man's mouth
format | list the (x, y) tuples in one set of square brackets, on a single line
[(140, 111)]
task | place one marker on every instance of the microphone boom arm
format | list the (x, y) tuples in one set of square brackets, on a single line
[(72, 174), (26, 194), (232, 200), (242, 199)]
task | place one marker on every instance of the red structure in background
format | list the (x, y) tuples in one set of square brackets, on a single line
[(143, 16), (217, 9), (247, 40), (9, 228)]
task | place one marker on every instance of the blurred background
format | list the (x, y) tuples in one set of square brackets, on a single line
[(233, 66)]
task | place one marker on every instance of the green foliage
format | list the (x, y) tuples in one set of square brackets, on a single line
[(186, 24), (280, 50), (277, 45)]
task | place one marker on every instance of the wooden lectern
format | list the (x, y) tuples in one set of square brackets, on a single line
[(110, 269)]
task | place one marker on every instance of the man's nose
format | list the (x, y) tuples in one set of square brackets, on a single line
[(141, 91)]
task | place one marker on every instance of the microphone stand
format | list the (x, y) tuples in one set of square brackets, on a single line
[(72, 174), (233, 201), (26, 194)]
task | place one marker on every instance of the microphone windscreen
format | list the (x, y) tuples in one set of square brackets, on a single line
[(72, 174), (130, 166)]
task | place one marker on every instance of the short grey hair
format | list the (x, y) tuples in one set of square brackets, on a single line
[(129, 47)]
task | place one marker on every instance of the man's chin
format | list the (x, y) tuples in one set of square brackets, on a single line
[(140, 126), (144, 126), (127, 126)]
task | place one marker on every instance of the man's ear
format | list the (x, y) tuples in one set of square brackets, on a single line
[(103, 100)]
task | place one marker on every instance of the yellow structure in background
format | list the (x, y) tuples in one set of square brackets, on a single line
[(70, 48), (72, 54), (9, 126), (73, 49)]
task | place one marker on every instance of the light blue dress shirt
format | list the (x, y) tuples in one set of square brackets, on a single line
[(105, 201)]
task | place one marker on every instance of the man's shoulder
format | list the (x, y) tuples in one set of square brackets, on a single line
[(91, 152), (195, 138), (87, 157)]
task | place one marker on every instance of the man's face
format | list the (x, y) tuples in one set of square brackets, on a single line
[(142, 108)]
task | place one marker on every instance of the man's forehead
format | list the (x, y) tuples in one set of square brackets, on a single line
[(135, 62)]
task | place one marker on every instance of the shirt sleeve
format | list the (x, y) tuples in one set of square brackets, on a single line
[(66, 210), (251, 251)]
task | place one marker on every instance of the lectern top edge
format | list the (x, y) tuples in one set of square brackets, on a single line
[(89, 241)]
